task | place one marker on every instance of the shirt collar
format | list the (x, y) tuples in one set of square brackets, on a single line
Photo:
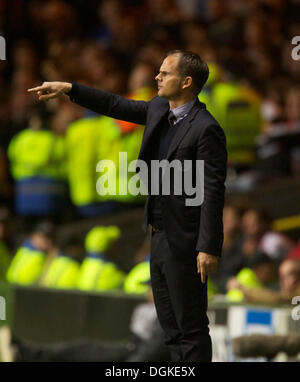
[(181, 111)]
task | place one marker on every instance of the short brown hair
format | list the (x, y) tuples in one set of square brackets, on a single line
[(191, 64)]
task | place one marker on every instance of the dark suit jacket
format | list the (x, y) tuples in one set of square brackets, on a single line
[(189, 229)]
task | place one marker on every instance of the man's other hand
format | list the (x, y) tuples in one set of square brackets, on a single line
[(49, 90), (206, 265)]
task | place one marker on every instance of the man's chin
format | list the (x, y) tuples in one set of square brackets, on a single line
[(161, 93)]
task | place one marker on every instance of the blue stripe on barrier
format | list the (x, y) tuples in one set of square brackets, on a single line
[(259, 317)]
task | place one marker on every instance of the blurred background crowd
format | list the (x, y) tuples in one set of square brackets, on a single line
[(49, 152)]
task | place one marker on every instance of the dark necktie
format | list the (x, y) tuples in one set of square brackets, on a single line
[(171, 118)]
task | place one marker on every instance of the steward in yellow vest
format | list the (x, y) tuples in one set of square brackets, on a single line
[(63, 271), (28, 263), (96, 271), (237, 109), (37, 162), (83, 139)]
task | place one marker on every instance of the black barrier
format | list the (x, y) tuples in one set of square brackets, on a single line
[(46, 315)]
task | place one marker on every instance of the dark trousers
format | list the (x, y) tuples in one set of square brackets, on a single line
[(181, 302)]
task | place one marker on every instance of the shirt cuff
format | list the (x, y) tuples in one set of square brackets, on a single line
[(210, 251), (73, 92)]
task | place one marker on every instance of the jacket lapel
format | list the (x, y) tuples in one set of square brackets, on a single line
[(180, 132), (186, 125)]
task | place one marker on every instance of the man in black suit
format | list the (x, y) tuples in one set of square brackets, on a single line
[(187, 237)]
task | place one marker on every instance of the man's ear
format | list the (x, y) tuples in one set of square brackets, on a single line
[(187, 82)]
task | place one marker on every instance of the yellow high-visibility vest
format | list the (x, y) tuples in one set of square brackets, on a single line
[(237, 109), (26, 266), (137, 278), (62, 273), (98, 274), (37, 152)]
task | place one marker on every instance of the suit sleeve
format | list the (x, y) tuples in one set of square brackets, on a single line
[(109, 104), (212, 149)]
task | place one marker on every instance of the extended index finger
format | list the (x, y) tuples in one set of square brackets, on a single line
[(203, 273), (36, 89)]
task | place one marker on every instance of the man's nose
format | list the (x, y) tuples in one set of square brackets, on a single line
[(157, 78)]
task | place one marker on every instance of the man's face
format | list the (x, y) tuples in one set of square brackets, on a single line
[(288, 277), (169, 81)]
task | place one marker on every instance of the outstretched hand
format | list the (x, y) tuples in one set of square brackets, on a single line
[(206, 265), (50, 90)]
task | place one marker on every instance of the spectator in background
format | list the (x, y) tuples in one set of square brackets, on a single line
[(231, 261), (255, 223), (237, 108), (289, 277), (289, 281), (97, 272), (259, 236), (58, 20), (37, 159), (249, 242), (265, 269), (62, 270), (259, 272), (276, 245), (28, 263)]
